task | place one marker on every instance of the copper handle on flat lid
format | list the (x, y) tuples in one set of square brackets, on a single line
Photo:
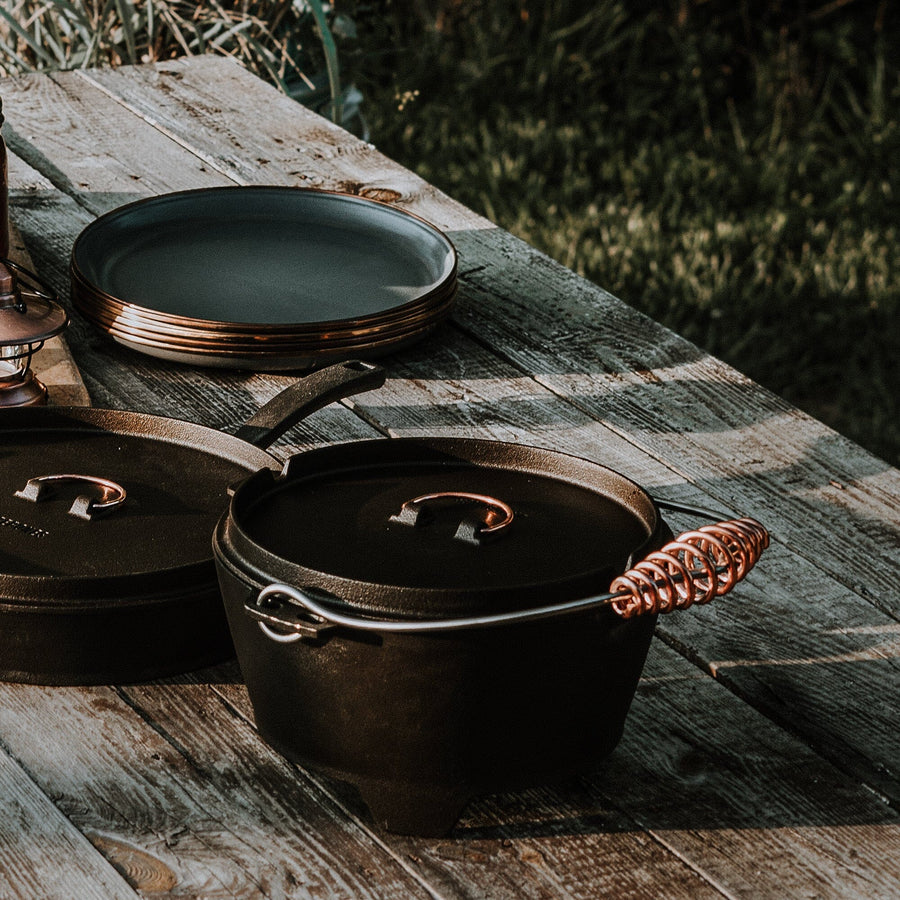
[(495, 516), (112, 495)]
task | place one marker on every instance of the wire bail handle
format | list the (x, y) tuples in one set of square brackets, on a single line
[(16, 282), (692, 569)]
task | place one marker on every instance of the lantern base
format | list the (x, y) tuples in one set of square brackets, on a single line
[(23, 391)]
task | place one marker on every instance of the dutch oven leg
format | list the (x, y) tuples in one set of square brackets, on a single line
[(412, 810)]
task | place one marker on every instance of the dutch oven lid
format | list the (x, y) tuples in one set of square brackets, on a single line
[(68, 534), (101, 506), (439, 526)]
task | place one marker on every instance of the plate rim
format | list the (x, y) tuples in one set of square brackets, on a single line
[(83, 285)]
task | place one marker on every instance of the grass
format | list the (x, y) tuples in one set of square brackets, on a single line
[(289, 43), (726, 167)]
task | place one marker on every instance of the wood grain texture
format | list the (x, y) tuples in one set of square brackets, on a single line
[(751, 810), (484, 867), (737, 441), (92, 148), (217, 815), (761, 782), (42, 854), (252, 134)]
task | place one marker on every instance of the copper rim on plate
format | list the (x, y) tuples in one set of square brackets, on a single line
[(269, 278)]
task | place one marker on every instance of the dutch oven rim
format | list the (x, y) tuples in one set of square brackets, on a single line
[(241, 553)]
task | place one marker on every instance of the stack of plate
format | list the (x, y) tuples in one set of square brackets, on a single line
[(264, 278)]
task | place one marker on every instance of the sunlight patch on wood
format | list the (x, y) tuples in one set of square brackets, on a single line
[(878, 653)]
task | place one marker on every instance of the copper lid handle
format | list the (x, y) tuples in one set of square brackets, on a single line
[(112, 495), (494, 517)]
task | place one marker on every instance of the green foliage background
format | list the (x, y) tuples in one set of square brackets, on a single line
[(731, 169), (727, 167)]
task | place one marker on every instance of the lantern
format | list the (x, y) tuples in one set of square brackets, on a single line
[(29, 315)]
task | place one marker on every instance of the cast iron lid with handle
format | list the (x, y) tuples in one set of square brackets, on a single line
[(444, 527), (418, 527), (106, 514)]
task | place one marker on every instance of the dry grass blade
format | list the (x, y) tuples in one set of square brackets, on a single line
[(126, 16), (287, 43), (27, 50)]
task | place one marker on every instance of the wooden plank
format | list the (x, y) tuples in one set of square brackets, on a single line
[(751, 810), (34, 206), (38, 844), (746, 447), (250, 132), (718, 782), (217, 815), (485, 866), (49, 222), (91, 147)]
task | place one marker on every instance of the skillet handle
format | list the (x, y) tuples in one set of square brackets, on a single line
[(311, 393)]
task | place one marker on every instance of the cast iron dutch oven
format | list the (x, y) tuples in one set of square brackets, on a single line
[(106, 570), (419, 618)]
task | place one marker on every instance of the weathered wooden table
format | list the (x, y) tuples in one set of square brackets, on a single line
[(761, 756)]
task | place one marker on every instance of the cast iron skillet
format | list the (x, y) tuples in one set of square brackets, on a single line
[(106, 570)]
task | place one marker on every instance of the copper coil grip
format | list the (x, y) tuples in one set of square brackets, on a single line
[(694, 568)]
